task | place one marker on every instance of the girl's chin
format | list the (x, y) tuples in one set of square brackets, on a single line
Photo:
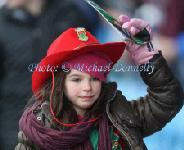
[(86, 106)]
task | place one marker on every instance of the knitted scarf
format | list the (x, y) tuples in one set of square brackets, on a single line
[(77, 138)]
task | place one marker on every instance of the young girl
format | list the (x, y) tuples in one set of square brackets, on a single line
[(75, 108)]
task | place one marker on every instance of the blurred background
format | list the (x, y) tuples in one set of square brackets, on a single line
[(27, 27)]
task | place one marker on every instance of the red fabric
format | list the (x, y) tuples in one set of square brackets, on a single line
[(69, 41), (80, 117), (67, 46), (121, 141)]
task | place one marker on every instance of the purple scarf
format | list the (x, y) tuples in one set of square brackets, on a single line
[(77, 138)]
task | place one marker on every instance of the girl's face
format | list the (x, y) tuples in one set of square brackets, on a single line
[(82, 90)]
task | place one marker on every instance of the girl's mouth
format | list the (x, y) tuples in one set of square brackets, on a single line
[(86, 97)]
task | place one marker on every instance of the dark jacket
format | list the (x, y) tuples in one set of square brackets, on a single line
[(139, 118)]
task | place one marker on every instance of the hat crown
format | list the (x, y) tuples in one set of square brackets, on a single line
[(72, 39)]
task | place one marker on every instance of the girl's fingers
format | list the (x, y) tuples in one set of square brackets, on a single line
[(127, 25), (123, 19), (138, 23), (134, 25), (134, 30), (141, 53)]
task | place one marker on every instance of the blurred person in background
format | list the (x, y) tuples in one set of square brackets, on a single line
[(172, 29), (1, 77), (27, 27), (1, 64)]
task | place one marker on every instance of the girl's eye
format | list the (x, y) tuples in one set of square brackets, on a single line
[(94, 79), (76, 79)]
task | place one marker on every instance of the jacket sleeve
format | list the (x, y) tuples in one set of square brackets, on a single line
[(164, 98), (24, 143)]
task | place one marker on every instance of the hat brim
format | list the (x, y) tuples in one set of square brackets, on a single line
[(113, 50)]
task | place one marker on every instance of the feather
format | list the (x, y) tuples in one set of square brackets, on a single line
[(140, 38)]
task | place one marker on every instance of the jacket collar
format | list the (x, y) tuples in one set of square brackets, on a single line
[(111, 90)]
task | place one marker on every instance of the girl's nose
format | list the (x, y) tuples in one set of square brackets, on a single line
[(87, 85)]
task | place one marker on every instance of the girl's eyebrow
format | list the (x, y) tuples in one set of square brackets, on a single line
[(74, 75)]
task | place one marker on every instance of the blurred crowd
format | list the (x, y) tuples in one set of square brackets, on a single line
[(27, 27)]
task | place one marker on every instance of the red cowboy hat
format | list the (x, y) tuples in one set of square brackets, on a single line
[(72, 42)]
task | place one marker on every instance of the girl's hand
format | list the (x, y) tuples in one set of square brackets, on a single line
[(139, 54)]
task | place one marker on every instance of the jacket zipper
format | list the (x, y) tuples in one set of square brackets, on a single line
[(121, 131), (115, 124)]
